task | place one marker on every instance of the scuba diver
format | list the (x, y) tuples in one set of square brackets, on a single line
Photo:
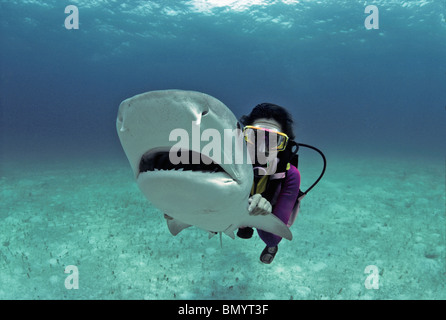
[(268, 131)]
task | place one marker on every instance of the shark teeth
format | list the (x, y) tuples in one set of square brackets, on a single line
[(182, 170), (156, 161)]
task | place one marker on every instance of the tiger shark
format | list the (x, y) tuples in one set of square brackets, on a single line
[(211, 193)]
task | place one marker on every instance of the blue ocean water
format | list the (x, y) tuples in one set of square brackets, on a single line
[(348, 87), (368, 98)]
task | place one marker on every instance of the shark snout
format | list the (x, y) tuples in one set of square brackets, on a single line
[(152, 124)]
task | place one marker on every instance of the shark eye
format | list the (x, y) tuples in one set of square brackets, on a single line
[(205, 112)]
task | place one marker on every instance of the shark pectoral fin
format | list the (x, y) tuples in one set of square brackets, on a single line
[(175, 226), (269, 223), (230, 231), (211, 234), (230, 234)]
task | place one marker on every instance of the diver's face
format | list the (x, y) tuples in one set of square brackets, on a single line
[(270, 124)]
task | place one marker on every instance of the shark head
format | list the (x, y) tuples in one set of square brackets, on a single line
[(189, 159)]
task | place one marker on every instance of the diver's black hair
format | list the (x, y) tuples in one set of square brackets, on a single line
[(271, 111)]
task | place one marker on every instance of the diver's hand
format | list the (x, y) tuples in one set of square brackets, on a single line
[(259, 205)]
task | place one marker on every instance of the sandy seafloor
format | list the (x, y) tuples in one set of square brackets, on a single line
[(383, 211)]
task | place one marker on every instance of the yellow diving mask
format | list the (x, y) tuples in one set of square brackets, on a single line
[(272, 140)]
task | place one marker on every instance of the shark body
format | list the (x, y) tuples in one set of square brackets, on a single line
[(211, 194)]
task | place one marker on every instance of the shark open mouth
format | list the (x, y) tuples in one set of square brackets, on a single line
[(159, 160)]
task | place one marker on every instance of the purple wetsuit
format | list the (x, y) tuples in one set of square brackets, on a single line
[(283, 204)]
